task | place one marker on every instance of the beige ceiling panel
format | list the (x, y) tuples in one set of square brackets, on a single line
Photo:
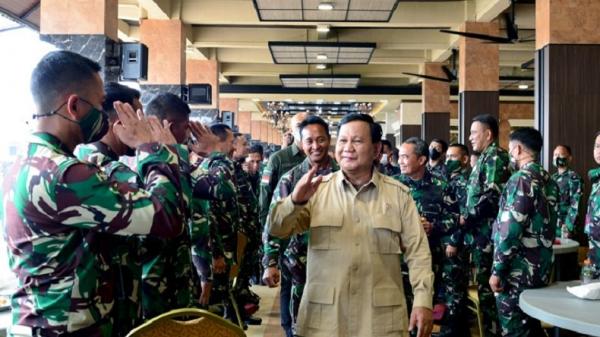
[(279, 4), (381, 5), (282, 15), (317, 15), (367, 15)]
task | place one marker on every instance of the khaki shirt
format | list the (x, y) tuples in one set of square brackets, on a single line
[(354, 279)]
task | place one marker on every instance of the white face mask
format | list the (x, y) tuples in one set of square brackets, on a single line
[(384, 159)]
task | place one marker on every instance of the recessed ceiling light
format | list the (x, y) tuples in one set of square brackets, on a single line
[(256, 99), (337, 103), (351, 100), (383, 101), (319, 84), (321, 57), (323, 28), (325, 6), (300, 102), (523, 86), (321, 66)]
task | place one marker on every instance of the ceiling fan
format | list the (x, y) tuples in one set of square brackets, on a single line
[(512, 31), (450, 73)]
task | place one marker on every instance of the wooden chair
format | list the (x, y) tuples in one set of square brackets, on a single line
[(193, 323)]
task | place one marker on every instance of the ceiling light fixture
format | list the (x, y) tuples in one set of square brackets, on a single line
[(321, 57), (325, 6), (323, 28), (523, 86), (319, 84), (321, 66)]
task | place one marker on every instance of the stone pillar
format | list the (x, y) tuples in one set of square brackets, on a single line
[(436, 105), (86, 27), (479, 72), (567, 78), (205, 72), (410, 120), (165, 40)]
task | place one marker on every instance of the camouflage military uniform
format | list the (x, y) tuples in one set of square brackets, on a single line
[(294, 256), (432, 200), (210, 183), (389, 169), (570, 186), (249, 226), (523, 236), (168, 281), (438, 170), (223, 222), (279, 163), (454, 269), (55, 207), (592, 221), (483, 194), (123, 254)]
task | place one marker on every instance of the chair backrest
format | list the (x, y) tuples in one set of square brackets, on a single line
[(193, 323)]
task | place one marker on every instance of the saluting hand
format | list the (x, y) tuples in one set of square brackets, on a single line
[(132, 130), (161, 133), (306, 186), (206, 140)]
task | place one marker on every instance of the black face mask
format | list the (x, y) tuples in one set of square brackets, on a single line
[(434, 154)]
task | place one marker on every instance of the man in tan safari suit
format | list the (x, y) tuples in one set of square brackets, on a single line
[(360, 223)]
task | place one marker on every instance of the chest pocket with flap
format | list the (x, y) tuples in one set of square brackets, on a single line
[(325, 231)]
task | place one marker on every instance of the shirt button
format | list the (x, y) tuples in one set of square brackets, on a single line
[(357, 244), (355, 267)]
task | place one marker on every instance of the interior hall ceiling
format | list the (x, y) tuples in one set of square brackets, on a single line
[(232, 32)]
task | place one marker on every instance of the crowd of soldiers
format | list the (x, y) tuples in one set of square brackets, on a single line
[(100, 246)]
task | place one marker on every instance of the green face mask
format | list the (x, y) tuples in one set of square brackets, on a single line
[(594, 174), (560, 162), (94, 125), (452, 165)]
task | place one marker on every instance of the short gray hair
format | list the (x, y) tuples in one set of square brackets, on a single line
[(421, 147)]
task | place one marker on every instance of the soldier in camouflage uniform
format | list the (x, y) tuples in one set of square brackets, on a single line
[(386, 162), (523, 234), (254, 166), (279, 163), (483, 194), (315, 138), (223, 215), (592, 219), (168, 281), (456, 262), (430, 195), (249, 225), (56, 205), (437, 152), (123, 254), (570, 186)]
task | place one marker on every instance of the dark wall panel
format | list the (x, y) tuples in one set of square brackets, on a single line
[(567, 104), (471, 104), (435, 125), (407, 131)]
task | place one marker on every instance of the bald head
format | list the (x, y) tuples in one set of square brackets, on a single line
[(295, 126)]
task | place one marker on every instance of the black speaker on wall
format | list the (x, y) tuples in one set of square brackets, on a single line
[(198, 94), (134, 61), (228, 118)]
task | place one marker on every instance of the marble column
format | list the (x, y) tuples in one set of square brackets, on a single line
[(436, 105), (478, 76), (90, 30), (165, 40), (567, 78)]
